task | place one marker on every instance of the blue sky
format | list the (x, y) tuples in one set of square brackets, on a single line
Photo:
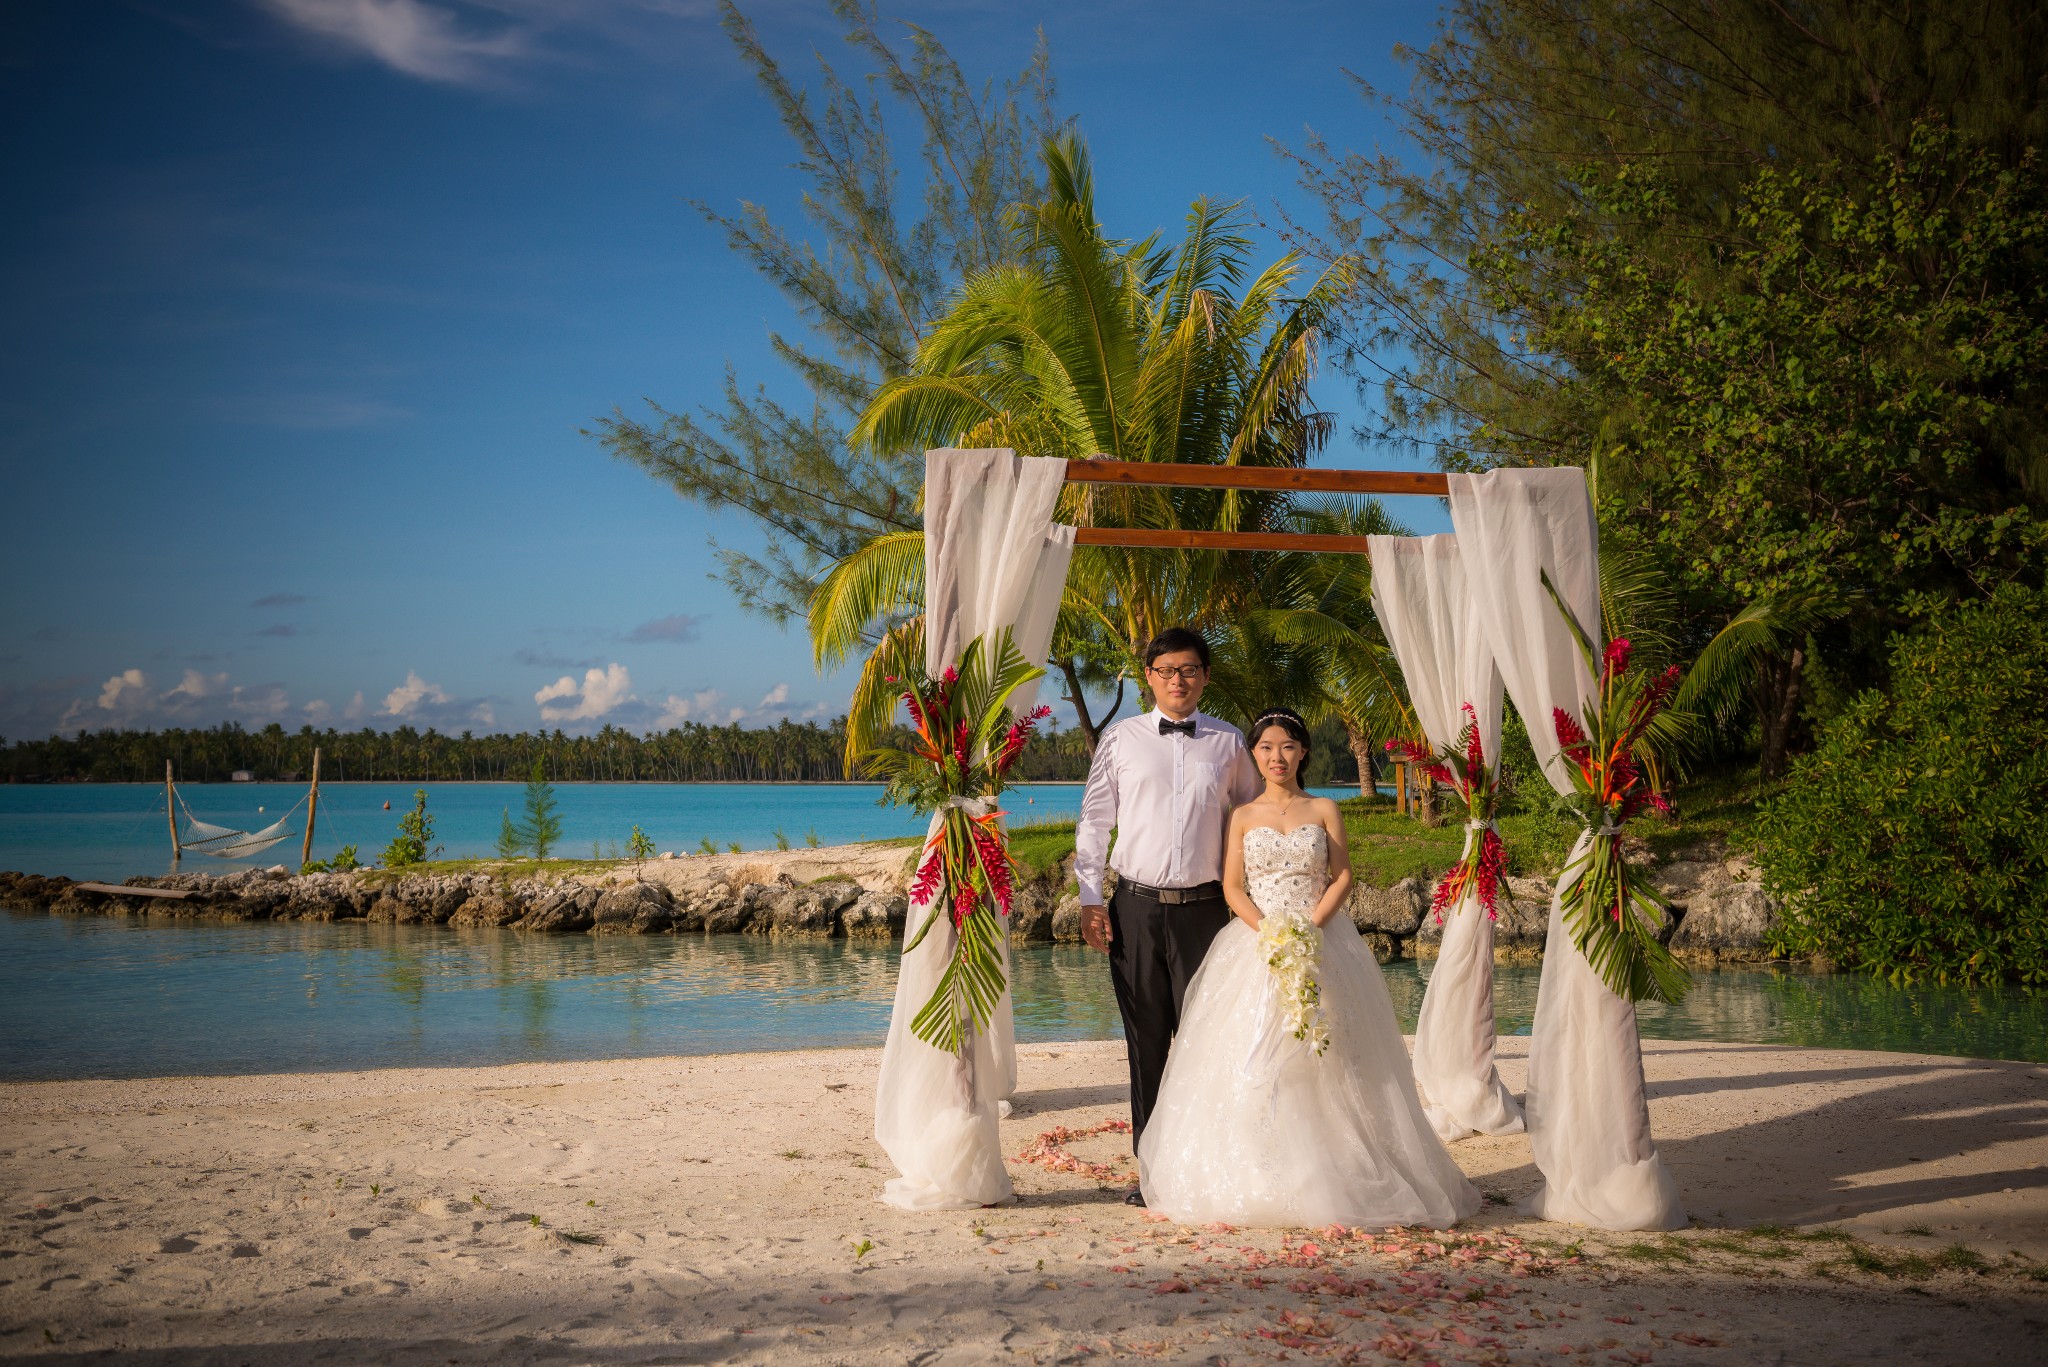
[(308, 301)]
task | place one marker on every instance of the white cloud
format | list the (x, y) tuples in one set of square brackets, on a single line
[(357, 709), (675, 711), (410, 697), (195, 686), (124, 690), (129, 699), (423, 40), (774, 697), (422, 703), (601, 692), (318, 712)]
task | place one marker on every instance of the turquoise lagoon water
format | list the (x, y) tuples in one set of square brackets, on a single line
[(112, 831), (128, 997)]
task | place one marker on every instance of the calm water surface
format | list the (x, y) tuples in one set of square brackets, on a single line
[(115, 830), (122, 997)]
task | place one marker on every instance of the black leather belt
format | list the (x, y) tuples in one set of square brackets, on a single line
[(1172, 897)]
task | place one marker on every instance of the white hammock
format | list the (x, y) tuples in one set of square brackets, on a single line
[(223, 842)]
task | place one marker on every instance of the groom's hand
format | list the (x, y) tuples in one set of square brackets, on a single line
[(1095, 928)]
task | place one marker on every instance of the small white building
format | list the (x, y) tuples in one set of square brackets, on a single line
[(243, 776)]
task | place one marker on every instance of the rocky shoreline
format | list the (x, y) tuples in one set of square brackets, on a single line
[(852, 892)]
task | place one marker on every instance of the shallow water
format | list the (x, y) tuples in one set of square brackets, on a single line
[(113, 831), (126, 997)]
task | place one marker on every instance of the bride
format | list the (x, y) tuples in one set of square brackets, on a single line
[(1252, 1126)]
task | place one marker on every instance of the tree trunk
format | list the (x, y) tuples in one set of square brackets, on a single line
[(1361, 750), (1780, 710), (1091, 729)]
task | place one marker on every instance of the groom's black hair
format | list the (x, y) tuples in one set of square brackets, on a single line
[(1288, 720), (1174, 640)]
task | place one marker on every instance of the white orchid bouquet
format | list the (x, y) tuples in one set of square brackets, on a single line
[(1293, 949)]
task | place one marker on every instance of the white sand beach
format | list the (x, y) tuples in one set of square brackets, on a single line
[(723, 1209)]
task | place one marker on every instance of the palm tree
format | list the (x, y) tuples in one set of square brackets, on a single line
[(1090, 345)]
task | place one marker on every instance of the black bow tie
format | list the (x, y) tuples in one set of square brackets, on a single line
[(1186, 728)]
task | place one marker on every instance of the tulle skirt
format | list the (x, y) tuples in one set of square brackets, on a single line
[(1251, 1128)]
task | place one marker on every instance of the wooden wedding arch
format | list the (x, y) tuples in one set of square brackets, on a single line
[(1277, 479)]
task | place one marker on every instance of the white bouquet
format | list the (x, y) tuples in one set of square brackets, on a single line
[(1293, 949)]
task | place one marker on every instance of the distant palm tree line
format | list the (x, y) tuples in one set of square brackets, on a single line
[(692, 752), (791, 752)]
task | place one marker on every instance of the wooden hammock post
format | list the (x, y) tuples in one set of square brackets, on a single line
[(171, 814), (312, 806)]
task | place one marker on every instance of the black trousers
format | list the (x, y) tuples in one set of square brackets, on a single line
[(1154, 950)]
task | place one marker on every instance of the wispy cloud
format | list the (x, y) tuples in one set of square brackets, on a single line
[(774, 697), (279, 629), (432, 42), (130, 698), (548, 659), (677, 627), (279, 600)]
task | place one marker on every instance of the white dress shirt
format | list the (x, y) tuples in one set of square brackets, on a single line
[(1168, 798)]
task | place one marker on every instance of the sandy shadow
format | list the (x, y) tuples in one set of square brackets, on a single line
[(1800, 1167), (1049, 1099)]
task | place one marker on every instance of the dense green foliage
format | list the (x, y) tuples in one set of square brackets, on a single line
[(1774, 275), (508, 845), (414, 841), (1913, 841)]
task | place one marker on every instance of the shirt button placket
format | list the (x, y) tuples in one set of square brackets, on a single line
[(1180, 808)]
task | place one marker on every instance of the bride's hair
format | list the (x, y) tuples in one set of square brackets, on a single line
[(1288, 720)]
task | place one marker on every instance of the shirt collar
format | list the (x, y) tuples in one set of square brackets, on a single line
[(1200, 718)]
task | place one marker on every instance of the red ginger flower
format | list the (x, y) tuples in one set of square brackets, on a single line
[(930, 875), (1571, 737), (1614, 663)]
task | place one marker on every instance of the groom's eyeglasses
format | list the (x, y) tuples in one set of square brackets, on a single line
[(1185, 673)]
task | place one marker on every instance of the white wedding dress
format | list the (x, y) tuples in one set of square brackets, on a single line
[(1251, 1127)]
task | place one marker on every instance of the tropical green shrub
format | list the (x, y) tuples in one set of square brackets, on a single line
[(415, 834), (344, 860), (1913, 841)]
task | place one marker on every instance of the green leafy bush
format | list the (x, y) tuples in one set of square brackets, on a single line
[(344, 860), (1914, 840), (415, 835)]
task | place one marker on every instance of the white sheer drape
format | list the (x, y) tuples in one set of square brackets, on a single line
[(1419, 593), (993, 559), (1589, 1123)]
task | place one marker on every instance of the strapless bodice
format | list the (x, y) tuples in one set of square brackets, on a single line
[(1283, 871)]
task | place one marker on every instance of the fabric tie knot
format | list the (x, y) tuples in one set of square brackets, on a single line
[(1167, 728)]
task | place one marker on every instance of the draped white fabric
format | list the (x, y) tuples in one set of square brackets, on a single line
[(993, 559), (1419, 593), (1589, 1122)]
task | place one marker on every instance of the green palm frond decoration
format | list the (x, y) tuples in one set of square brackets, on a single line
[(966, 742)]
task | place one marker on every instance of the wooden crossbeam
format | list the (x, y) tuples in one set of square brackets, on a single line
[(1178, 539), (1283, 479)]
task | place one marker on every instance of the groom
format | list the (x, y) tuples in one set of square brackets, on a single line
[(1166, 781)]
